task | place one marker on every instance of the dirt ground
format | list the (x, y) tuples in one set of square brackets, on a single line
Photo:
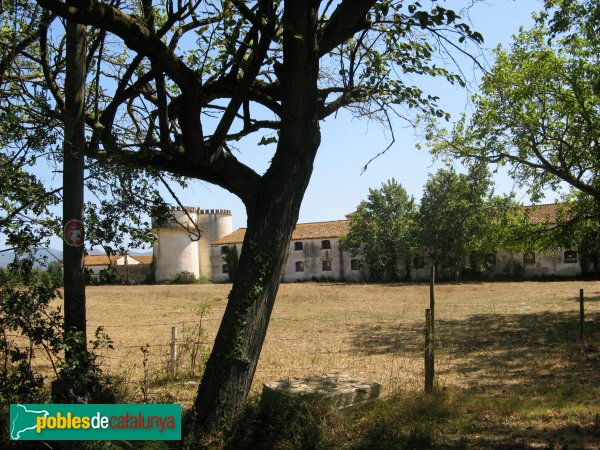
[(514, 345)]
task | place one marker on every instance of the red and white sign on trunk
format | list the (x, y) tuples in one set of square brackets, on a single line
[(73, 233)]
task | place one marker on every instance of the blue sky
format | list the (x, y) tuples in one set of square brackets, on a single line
[(347, 144), (337, 185)]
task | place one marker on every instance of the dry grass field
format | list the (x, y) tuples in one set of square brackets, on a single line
[(512, 346)]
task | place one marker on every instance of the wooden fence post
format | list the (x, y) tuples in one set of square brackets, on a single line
[(429, 359), (432, 298), (581, 315), (430, 335), (173, 352)]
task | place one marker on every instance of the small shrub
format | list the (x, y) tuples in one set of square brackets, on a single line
[(287, 422), (81, 379), (108, 275), (412, 421), (232, 259), (27, 325), (194, 347), (184, 277)]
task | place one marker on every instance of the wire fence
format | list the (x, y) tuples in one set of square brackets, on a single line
[(475, 342)]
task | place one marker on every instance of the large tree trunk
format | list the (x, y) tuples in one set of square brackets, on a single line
[(71, 387), (272, 216), (73, 171)]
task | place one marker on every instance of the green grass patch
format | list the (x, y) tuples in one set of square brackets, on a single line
[(405, 421)]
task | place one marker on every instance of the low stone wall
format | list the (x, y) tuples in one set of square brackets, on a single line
[(338, 388), (134, 273)]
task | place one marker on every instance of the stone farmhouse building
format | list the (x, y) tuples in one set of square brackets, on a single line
[(315, 253), (129, 268)]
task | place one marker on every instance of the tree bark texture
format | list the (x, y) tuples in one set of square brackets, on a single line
[(74, 149), (272, 216)]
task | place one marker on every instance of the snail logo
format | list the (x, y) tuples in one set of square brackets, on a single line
[(73, 233)]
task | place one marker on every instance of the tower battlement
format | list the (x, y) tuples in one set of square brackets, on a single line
[(194, 214), (179, 246), (198, 210)]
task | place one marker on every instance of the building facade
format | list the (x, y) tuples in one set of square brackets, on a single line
[(127, 268), (315, 252), (185, 242)]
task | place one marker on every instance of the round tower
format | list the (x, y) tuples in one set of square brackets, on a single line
[(180, 249), (214, 223)]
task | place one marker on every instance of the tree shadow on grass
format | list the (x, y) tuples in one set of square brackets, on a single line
[(520, 364), (488, 342), (569, 436), (587, 298), (522, 351)]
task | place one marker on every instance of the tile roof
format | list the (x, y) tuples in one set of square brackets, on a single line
[(142, 259), (313, 230), (105, 260), (232, 238), (547, 213), (99, 260), (317, 230)]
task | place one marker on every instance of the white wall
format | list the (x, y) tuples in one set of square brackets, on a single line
[(312, 255), (550, 263), (218, 259), (214, 226), (175, 253)]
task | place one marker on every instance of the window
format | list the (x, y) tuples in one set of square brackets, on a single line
[(225, 268), (529, 258), (299, 266), (490, 259), (326, 265), (355, 264), (418, 262), (298, 246), (224, 250), (326, 244), (570, 256)]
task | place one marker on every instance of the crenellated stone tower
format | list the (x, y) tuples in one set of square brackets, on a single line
[(178, 247)]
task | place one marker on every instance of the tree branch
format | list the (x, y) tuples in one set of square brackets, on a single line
[(348, 18), (134, 33)]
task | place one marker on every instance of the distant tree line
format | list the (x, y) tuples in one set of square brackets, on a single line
[(537, 115), (458, 222), (50, 274)]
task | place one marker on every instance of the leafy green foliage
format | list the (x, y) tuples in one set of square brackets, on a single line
[(183, 277), (108, 275), (454, 215), (383, 229), (232, 260), (26, 222), (537, 112), (31, 103), (80, 379), (457, 224), (54, 272), (28, 326)]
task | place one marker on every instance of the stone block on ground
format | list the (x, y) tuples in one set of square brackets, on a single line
[(338, 388)]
